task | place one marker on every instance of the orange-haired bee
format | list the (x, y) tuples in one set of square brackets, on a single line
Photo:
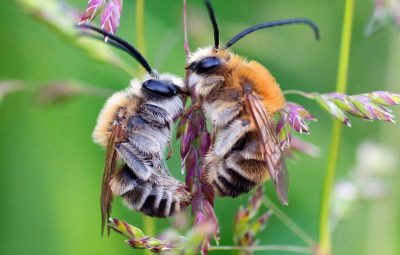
[(240, 98), (135, 126)]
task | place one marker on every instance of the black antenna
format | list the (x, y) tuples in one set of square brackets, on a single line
[(110, 42), (122, 45), (214, 23), (250, 30)]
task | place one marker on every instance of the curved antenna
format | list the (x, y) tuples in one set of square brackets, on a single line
[(214, 23), (123, 45), (110, 42), (250, 30)]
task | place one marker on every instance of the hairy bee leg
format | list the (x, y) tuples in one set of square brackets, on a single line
[(227, 138), (209, 83), (155, 115), (160, 168), (128, 154), (215, 111), (144, 143)]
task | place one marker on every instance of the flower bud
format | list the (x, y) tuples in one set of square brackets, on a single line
[(384, 97), (92, 10), (332, 108), (370, 110), (109, 19)]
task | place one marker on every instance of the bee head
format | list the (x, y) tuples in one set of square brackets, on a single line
[(163, 87), (166, 91), (208, 60), (207, 68), (154, 86)]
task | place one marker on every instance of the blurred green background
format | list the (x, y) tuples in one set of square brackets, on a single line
[(51, 170)]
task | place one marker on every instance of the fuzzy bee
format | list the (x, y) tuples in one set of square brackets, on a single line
[(240, 98), (135, 126)]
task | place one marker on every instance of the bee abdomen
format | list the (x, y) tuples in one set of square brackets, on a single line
[(231, 183), (235, 175), (155, 203), (148, 196)]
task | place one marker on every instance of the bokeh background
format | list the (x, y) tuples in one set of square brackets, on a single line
[(50, 170)]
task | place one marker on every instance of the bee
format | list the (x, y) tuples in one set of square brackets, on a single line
[(135, 126), (240, 98)]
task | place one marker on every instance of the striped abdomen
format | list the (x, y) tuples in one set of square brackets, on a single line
[(240, 170), (159, 196)]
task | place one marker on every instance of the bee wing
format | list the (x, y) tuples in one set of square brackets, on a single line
[(108, 173), (272, 151)]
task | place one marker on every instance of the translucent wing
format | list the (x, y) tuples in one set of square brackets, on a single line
[(270, 144), (109, 170)]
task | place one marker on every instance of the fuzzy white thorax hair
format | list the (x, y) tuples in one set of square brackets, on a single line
[(134, 88), (200, 54)]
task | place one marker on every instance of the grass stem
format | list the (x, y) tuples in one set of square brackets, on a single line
[(149, 224), (300, 93), (287, 248), (185, 32), (325, 239), (140, 36)]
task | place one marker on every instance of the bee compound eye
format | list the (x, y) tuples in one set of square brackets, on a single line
[(159, 88), (206, 64)]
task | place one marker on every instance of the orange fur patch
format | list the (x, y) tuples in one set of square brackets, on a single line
[(264, 84)]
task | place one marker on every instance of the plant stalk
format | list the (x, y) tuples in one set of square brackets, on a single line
[(140, 36), (271, 247), (325, 239), (185, 30), (300, 93), (149, 225)]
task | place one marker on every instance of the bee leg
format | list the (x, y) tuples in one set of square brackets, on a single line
[(213, 80), (128, 153), (155, 115), (228, 137), (144, 143), (160, 167), (208, 83)]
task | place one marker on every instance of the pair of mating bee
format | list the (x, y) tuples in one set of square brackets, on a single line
[(238, 97)]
